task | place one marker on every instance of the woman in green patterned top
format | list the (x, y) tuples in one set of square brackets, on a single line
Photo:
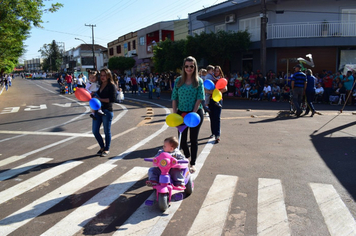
[(187, 95)]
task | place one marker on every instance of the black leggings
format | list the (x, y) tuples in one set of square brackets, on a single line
[(193, 136)]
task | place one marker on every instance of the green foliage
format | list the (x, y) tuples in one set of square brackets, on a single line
[(121, 63), (217, 48), (168, 55), (16, 19), (52, 57)]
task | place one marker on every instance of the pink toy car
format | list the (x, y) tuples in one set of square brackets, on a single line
[(165, 186)]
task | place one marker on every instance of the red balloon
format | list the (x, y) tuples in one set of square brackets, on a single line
[(82, 95), (221, 83)]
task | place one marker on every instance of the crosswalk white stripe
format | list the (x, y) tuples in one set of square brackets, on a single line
[(27, 213), (336, 215), (36, 180), (11, 160), (81, 216), (152, 221), (47, 133), (272, 217), (22, 168), (213, 213)]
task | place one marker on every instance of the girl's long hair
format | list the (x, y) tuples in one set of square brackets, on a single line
[(195, 76), (221, 72), (108, 75)]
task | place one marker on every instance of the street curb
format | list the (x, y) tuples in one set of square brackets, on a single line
[(2, 89)]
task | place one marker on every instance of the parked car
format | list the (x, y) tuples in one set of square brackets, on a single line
[(28, 75)]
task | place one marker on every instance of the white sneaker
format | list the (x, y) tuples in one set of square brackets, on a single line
[(192, 169)]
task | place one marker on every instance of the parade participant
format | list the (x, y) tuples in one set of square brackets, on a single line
[(299, 84), (170, 146), (93, 86), (310, 93), (187, 95), (107, 96), (216, 107), (69, 80)]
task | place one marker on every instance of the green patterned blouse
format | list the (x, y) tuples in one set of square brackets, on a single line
[(186, 95)]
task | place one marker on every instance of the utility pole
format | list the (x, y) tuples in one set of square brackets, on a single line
[(92, 33), (263, 54)]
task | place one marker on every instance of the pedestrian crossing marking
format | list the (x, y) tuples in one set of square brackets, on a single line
[(272, 216), (213, 213), (11, 160), (36, 180), (27, 213), (152, 221), (337, 217), (81, 216), (23, 168)]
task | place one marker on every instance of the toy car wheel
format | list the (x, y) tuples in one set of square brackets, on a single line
[(189, 187), (163, 201)]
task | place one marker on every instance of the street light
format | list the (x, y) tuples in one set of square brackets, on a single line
[(92, 48)]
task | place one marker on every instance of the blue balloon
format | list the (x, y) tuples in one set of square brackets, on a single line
[(192, 119), (209, 85), (94, 104)]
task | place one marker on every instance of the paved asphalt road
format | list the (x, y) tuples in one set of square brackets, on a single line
[(272, 173)]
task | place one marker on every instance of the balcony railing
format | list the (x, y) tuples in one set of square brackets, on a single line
[(311, 29)]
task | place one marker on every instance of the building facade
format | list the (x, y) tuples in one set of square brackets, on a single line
[(81, 58), (33, 65), (324, 28), (124, 46)]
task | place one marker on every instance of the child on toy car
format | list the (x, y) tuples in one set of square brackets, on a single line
[(170, 146)]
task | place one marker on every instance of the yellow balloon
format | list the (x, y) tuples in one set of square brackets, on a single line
[(217, 96), (173, 120)]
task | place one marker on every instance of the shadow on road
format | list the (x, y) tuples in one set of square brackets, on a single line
[(282, 115), (339, 154)]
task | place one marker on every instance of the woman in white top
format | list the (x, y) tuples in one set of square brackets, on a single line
[(80, 81)]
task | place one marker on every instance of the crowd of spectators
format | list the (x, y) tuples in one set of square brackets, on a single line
[(329, 86), (138, 83)]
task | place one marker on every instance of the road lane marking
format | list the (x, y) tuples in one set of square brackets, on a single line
[(85, 135), (112, 138), (152, 221), (337, 217), (271, 211), (76, 220), (37, 207), (213, 213), (29, 212), (23, 168), (10, 160), (36, 180)]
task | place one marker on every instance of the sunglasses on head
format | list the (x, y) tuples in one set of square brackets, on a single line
[(191, 66)]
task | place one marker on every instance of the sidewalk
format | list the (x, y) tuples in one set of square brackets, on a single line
[(2, 89)]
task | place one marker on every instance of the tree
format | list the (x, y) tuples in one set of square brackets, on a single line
[(218, 48), (121, 63), (168, 55), (52, 56), (16, 19)]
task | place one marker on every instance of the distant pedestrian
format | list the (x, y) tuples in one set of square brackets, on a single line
[(299, 84), (69, 81), (9, 79), (310, 93)]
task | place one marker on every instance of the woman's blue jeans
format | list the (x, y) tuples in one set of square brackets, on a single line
[(106, 121), (70, 87), (150, 90)]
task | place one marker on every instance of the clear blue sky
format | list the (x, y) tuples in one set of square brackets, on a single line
[(113, 18)]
